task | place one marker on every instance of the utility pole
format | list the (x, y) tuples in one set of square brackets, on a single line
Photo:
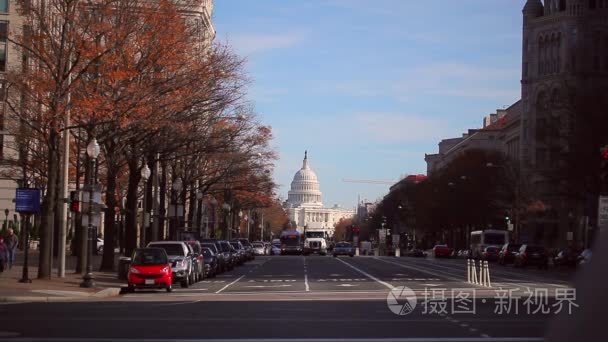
[(63, 195)]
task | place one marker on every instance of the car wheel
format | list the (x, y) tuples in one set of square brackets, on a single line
[(169, 288), (184, 283), (130, 288)]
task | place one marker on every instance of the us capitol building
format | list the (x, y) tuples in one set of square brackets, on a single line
[(304, 205)]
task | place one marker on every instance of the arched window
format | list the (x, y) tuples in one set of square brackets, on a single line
[(541, 59)]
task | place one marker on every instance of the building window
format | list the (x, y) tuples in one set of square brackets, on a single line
[(4, 6), (3, 40)]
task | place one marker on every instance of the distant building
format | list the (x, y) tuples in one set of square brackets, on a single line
[(500, 132), (305, 206)]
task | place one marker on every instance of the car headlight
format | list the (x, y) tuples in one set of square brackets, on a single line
[(134, 270), (181, 264), (165, 270)]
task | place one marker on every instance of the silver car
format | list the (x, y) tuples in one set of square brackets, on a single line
[(259, 248)]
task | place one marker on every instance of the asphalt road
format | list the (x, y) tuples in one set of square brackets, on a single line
[(316, 298)]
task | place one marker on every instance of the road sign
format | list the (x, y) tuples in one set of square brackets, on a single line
[(602, 212), (27, 201)]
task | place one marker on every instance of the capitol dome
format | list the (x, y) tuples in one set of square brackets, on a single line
[(305, 189)]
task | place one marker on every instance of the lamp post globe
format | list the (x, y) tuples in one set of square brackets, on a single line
[(145, 172), (93, 149), (177, 184)]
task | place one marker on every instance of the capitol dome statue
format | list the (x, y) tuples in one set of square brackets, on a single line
[(305, 188)]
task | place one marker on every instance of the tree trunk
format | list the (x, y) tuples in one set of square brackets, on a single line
[(131, 218), (48, 210), (109, 237), (163, 201)]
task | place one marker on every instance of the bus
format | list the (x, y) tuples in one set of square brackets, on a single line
[(291, 242), (481, 239)]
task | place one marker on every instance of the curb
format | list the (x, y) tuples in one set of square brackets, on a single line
[(105, 293)]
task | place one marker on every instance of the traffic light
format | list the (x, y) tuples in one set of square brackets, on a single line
[(74, 202), (507, 216)]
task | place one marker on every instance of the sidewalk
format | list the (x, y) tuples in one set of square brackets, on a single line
[(56, 289)]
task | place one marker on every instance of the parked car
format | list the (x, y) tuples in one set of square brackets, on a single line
[(150, 268), (415, 252), (240, 252), (211, 262), (508, 252), (343, 248), (248, 248), (229, 254), (181, 260), (275, 248), (221, 261), (585, 257), (442, 251), (99, 245), (197, 259), (259, 248), (532, 255), (490, 253), (566, 257)]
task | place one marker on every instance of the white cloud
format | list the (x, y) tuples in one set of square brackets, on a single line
[(252, 43)]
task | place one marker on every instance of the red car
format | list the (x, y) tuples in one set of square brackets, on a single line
[(150, 269), (442, 251)]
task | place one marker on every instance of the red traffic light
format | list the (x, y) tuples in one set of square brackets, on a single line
[(605, 153)]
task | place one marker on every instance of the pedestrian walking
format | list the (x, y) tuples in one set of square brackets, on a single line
[(11, 244), (3, 254)]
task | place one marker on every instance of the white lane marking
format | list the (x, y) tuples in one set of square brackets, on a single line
[(306, 276), (265, 286), (483, 338), (335, 275), (444, 274), (366, 274), (347, 285), (234, 282)]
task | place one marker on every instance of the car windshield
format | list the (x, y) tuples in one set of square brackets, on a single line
[(196, 248), (513, 247), (211, 246), (534, 249), (152, 256), (258, 245), (236, 245), (170, 248), (245, 242), (343, 244), (225, 246)]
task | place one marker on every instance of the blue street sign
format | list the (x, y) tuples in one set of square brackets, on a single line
[(27, 201)]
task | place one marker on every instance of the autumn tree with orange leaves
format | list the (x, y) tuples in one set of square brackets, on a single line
[(149, 92)]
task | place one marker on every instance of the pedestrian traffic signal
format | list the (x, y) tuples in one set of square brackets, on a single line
[(74, 202)]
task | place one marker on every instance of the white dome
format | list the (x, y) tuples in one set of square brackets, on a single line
[(305, 189)]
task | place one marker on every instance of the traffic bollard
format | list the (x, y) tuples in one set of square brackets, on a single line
[(357, 251), (397, 252), (469, 271), (488, 283)]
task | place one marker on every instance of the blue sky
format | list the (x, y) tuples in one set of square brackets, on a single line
[(369, 86)]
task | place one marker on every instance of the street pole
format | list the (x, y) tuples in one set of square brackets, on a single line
[(145, 174), (63, 195), (155, 202), (262, 228), (93, 153)]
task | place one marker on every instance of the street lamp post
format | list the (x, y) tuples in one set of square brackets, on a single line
[(227, 226), (145, 175), (177, 187), (213, 203), (93, 153), (198, 212)]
